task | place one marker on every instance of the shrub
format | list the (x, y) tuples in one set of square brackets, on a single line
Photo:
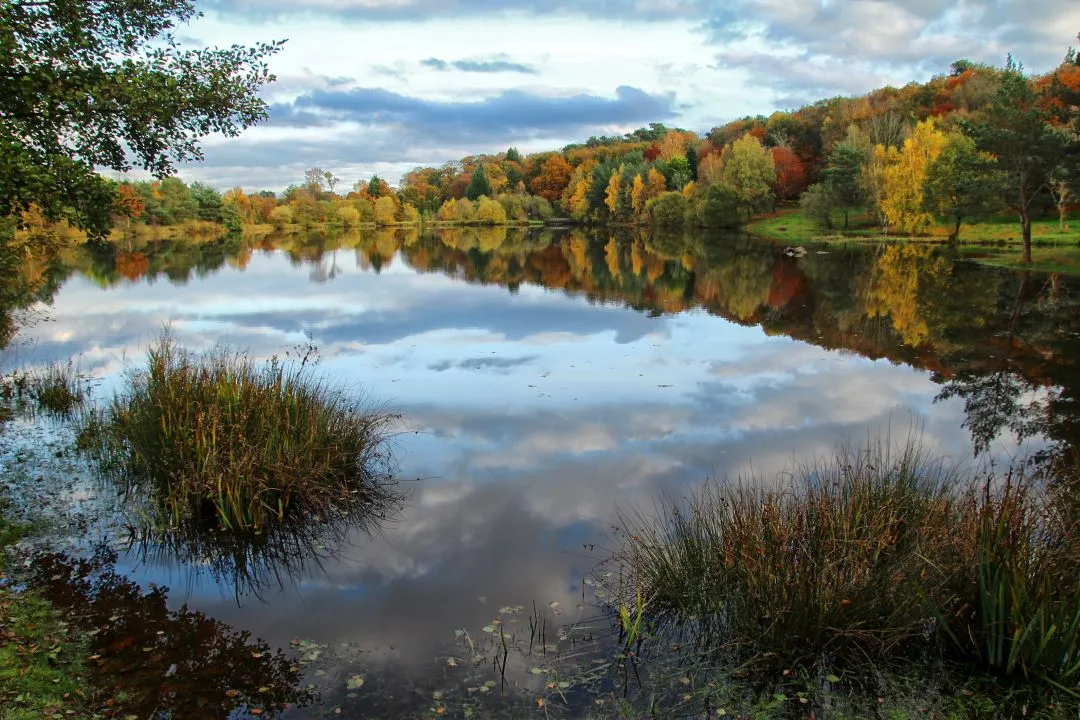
[(219, 439)]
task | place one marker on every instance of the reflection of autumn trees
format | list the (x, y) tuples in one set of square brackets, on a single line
[(899, 277), (907, 303)]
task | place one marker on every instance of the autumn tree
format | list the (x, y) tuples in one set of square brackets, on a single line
[(790, 173), (553, 178), (489, 212), (1015, 130), (903, 198), (127, 203), (750, 173), (611, 195), (90, 84), (385, 211), (711, 169), (961, 184)]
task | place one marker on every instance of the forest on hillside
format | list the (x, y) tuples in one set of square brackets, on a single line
[(971, 142)]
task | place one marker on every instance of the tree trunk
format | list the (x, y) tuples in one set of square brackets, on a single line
[(1025, 229), (1061, 215), (845, 218), (954, 236)]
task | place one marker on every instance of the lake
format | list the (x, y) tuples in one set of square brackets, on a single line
[(547, 381)]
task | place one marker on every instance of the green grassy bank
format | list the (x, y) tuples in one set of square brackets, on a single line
[(994, 242)]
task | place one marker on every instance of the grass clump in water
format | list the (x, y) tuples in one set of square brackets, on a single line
[(56, 390), (875, 557), (218, 439)]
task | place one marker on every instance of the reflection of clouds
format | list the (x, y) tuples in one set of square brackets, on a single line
[(535, 416)]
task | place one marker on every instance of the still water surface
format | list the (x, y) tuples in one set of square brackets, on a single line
[(547, 381)]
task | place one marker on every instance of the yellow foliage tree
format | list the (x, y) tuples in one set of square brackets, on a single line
[(689, 190), (711, 169), (349, 216), (490, 212), (873, 178), (656, 184), (903, 180), (637, 195), (385, 211), (611, 197), (579, 204)]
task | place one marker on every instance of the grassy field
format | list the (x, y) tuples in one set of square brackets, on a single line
[(994, 242)]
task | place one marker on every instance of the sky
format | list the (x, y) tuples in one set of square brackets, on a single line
[(382, 86)]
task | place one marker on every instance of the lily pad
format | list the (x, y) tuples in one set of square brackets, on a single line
[(355, 682)]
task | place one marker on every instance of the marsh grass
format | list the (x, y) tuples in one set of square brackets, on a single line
[(57, 390), (878, 556), (221, 441)]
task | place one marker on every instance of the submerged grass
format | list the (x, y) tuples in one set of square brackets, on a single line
[(56, 390), (218, 439), (877, 557)]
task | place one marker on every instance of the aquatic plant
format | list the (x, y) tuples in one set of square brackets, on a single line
[(876, 555), (56, 390), (218, 439)]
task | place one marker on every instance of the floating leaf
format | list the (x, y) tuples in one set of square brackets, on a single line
[(355, 682), (489, 628), (832, 678)]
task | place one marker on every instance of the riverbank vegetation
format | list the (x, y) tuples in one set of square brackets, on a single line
[(928, 160), (875, 559), (220, 441)]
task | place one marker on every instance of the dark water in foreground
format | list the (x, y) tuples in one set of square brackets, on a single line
[(547, 381)]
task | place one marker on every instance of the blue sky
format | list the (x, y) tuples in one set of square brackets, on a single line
[(381, 86)]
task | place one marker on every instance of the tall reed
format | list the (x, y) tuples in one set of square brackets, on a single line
[(877, 555), (220, 439)]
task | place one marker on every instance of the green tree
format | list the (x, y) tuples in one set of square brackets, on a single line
[(843, 176), (207, 201), (720, 208), (513, 155), (375, 187), (105, 83), (1015, 130), (817, 204), (668, 210), (691, 161), (961, 184), (750, 172), (677, 172), (479, 186)]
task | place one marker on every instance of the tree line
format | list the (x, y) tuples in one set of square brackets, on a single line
[(974, 142), (966, 143)]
